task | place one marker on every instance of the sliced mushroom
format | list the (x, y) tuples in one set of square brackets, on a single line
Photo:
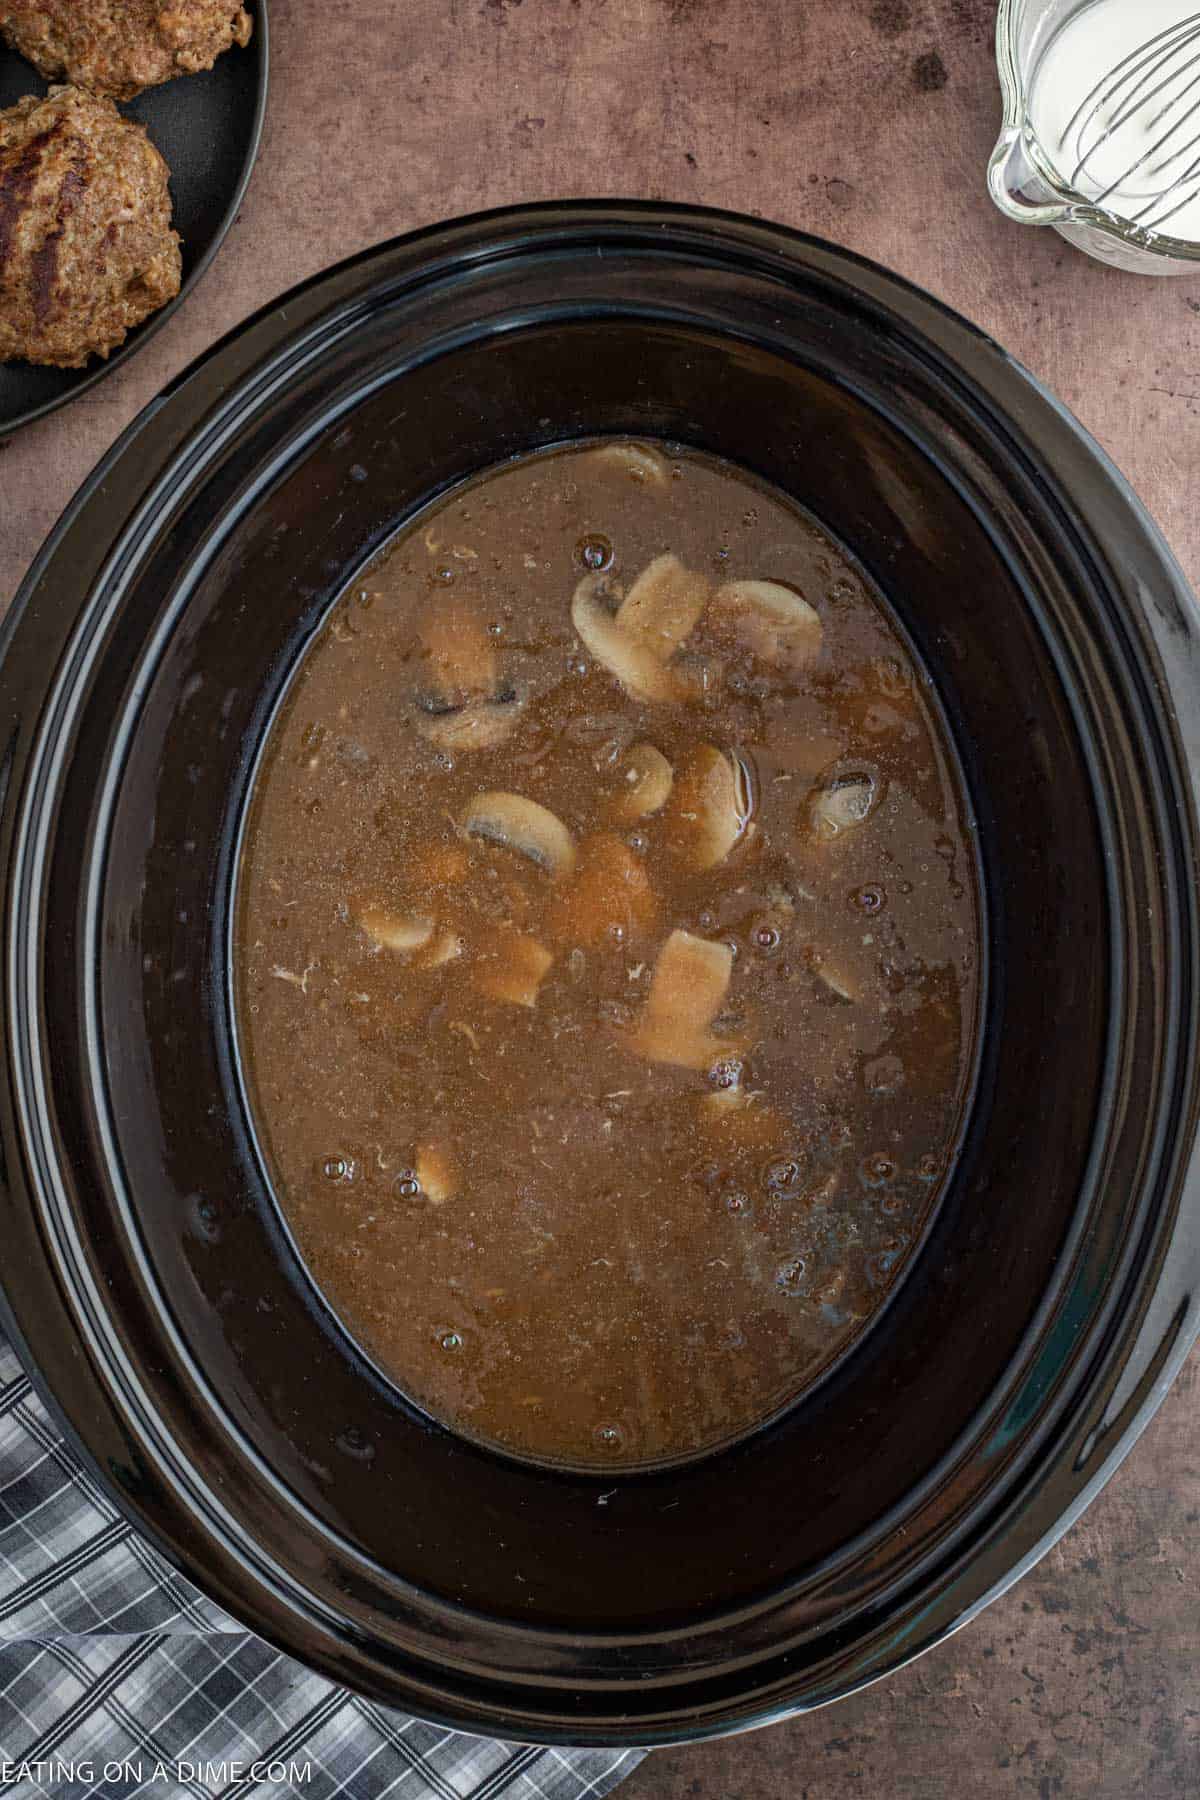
[(514, 969), (710, 807), (446, 946), (396, 931), (664, 606), (742, 1118), (687, 991), (838, 983), (773, 621), (843, 804), (461, 703), (480, 725), (646, 782), (691, 979), (638, 461), (522, 825), (459, 655), (609, 898), (437, 1171), (638, 669)]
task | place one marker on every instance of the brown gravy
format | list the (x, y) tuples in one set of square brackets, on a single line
[(608, 956)]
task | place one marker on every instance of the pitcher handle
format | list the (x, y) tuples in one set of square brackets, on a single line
[(1010, 175)]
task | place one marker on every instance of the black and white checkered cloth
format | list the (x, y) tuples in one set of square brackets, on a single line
[(118, 1678)]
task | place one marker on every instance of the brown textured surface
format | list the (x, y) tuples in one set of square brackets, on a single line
[(868, 121), (1080, 1683)]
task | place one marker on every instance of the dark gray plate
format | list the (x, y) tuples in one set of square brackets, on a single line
[(207, 127)]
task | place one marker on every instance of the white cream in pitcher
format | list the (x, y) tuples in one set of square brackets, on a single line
[(1115, 103)]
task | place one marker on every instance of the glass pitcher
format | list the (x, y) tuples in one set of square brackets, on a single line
[(1021, 175)]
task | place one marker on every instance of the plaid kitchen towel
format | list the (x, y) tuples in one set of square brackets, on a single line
[(118, 1678)]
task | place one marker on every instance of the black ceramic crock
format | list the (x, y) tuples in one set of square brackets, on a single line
[(146, 1275)]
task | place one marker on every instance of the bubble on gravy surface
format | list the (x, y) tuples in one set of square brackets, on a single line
[(607, 956)]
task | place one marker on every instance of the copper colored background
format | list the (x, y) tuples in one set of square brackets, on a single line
[(868, 121)]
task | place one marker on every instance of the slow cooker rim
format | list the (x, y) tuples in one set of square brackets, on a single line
[(690, 216)]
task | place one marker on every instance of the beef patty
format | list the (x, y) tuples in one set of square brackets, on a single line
[(86, 245), (119, 47)]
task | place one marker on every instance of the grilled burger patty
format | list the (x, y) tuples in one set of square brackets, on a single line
[(86, 245), (119, 47)]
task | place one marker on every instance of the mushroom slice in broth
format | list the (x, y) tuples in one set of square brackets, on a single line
[(691, 980), (523, 826), (646, 779), (460, 702), (608, 899), (627, 658), (638, 461), (842, 804), (742, 1118), (480, 725), (512, 967), (446, 947), (835, 980), (459, 660), (664, 606), (710, 807), (773, 621), (399, 932), (436, 1169)]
